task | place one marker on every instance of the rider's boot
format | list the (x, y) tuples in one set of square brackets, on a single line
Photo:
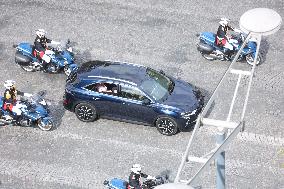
[(44, 66), (18, 119), (228, 53)]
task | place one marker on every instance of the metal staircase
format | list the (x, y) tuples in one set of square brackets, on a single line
[(223, 125)]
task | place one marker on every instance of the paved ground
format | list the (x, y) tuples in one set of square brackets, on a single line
[(160, 34)]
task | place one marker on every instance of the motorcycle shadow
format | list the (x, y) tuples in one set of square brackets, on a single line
[(264, 48)]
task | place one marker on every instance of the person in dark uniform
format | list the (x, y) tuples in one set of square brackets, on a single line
[(221, 37), (135, 177), (40, 46), (10, 99)]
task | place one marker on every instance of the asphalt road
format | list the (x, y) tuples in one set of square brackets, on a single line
[(160, 34)]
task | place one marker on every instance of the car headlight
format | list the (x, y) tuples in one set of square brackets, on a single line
[(187, 115)]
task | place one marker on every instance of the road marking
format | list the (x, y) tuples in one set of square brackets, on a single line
[(32, 171), (260, 139)]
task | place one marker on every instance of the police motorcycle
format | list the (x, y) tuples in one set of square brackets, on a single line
[(61, 55), (35, 112), (211, 51), (117, 183)]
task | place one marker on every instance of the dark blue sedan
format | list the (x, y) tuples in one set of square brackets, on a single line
[(132, 93)]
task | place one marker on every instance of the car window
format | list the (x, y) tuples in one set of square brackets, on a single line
[(157, 85), (131, 93), (103, 87)]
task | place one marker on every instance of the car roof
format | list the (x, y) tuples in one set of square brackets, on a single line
[(127, 72)]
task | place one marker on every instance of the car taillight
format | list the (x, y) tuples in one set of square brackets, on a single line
[(65, 101)]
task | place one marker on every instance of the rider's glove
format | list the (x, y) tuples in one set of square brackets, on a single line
[(151, 178), (28, 94)]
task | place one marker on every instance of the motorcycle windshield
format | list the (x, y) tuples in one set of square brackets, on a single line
[(36, 99)]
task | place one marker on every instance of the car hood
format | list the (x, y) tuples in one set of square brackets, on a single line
[(183, 97)]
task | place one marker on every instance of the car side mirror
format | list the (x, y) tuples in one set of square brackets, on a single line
[(146, 101)]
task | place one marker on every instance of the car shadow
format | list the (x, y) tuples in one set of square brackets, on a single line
[(57, 112)]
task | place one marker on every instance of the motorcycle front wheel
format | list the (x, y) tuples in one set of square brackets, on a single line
[(52, 68), (250, 59), (45, 125), (67, 70)]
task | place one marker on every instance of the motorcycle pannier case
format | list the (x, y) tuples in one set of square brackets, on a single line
[(204, 48), (118, 183), (22, 59)]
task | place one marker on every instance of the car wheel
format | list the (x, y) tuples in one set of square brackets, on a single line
[(167, 126), (85, 112)]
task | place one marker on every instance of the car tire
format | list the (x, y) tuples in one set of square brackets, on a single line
[(167, 125), (86, 112)]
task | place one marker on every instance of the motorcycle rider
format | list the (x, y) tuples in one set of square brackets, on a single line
[(221, 37), (10, 99), (135, 177), (40, 45)]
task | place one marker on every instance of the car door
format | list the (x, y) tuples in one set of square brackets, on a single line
[(135, 109), (107, 104)]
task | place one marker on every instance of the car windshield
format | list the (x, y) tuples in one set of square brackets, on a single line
[(157, 85)]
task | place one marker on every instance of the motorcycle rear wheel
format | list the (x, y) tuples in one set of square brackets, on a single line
[(28, 68), (45, 126), (207, 57), (250, 59)]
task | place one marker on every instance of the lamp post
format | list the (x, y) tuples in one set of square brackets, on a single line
[(257, 23)]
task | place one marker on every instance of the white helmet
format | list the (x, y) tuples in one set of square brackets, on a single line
[(136, 168), (40, 33), (224, 21), (9, 84)]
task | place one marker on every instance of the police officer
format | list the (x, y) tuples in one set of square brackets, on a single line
[(221, 37), (135, 177), (40, 44), (10, 99)]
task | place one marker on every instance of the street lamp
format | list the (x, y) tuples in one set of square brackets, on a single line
[(257, 23)]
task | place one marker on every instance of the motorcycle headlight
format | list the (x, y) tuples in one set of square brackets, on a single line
[(69, 49), (65, 62), (42, 102)]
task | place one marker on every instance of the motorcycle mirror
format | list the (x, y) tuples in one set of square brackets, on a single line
[(146, 101), (106, 182), (42, 93)]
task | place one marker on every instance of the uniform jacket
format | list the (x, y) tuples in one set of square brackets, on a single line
[(40, 43), (135, 179)]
